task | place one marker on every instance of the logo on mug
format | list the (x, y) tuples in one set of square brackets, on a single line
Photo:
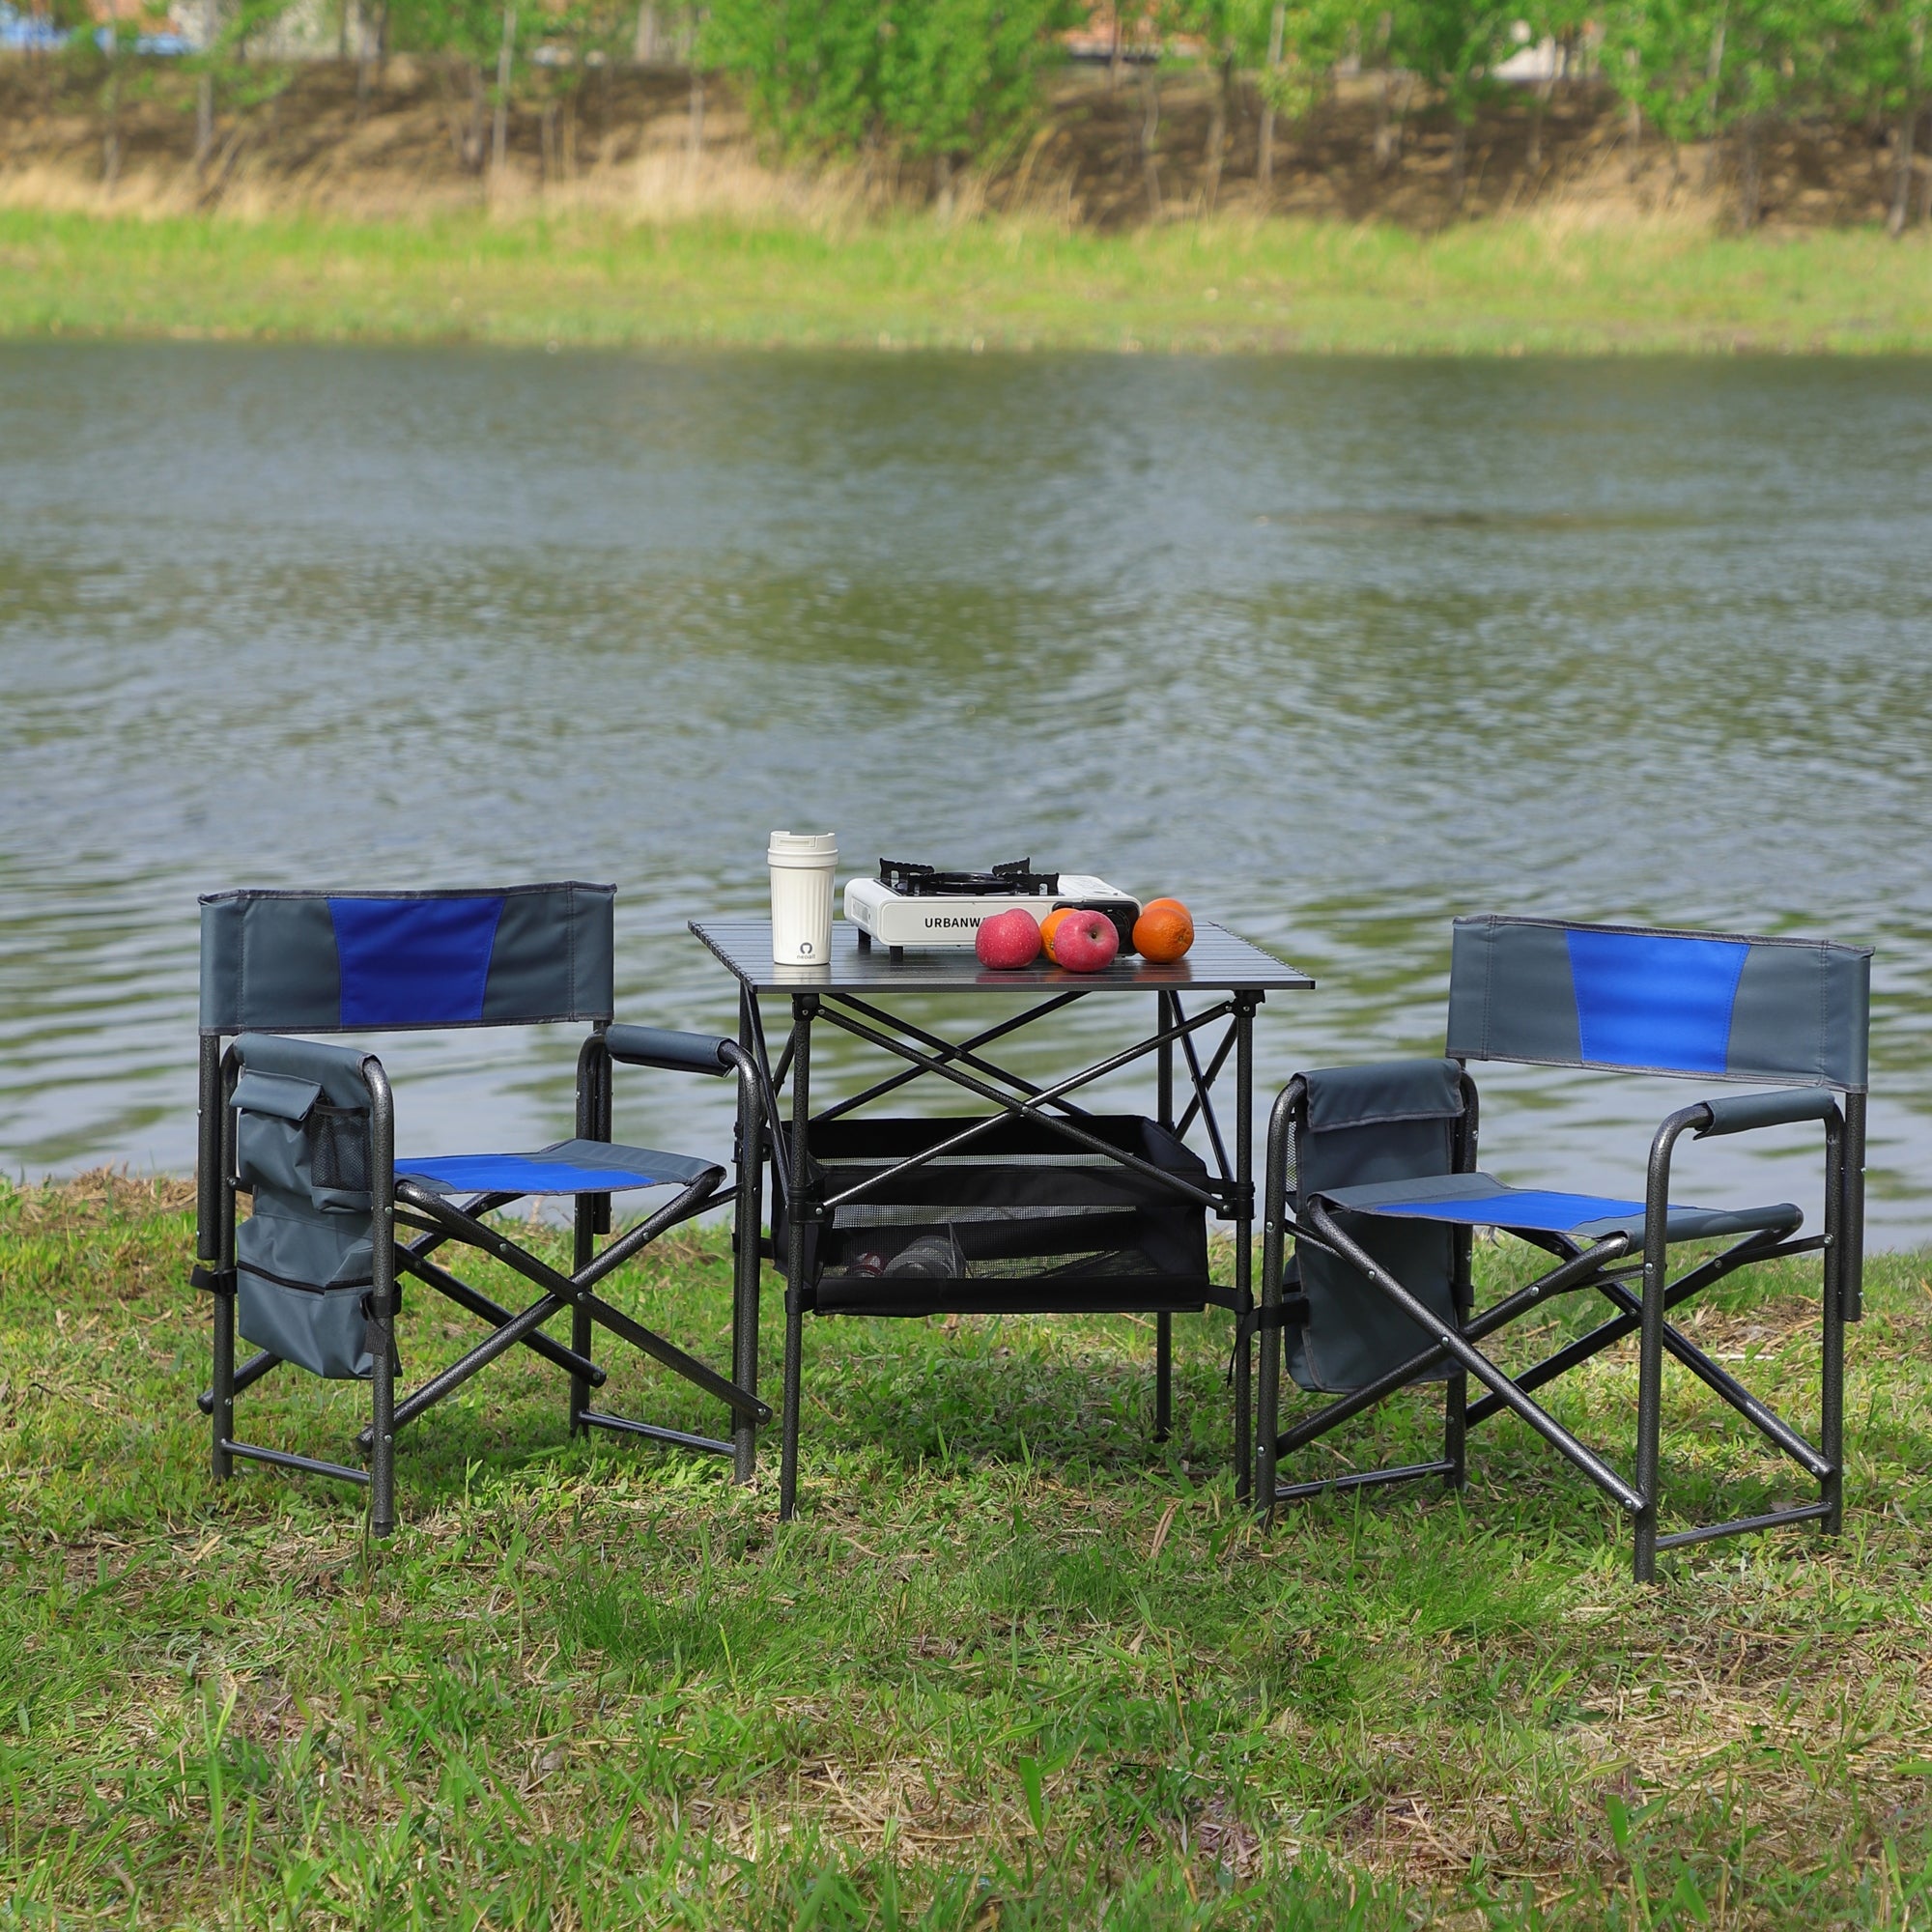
[(805, 946)]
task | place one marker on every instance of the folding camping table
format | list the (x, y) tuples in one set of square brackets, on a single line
[(1205, 1008)]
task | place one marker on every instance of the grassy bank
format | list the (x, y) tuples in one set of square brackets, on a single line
[(591, 280), (1011, 1668)]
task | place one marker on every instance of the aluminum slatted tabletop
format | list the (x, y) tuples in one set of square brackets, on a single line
[(1204, 1007)]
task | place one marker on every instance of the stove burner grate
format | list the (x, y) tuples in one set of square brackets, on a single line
[(925, 882)]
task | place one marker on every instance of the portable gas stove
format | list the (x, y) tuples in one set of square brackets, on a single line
[(921, 905)]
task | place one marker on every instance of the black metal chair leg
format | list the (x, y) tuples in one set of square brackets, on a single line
[(1163, 1376), (581, 1339), (1650, 1337), (1832, 1366), (788, 1455), (383, 1302), (1455, 1431), (222, 1405)]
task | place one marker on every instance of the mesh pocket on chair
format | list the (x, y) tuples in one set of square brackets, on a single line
[(338, 1149)]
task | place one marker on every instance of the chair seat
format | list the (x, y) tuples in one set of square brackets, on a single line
[(570, 1167), (1482, 1200)]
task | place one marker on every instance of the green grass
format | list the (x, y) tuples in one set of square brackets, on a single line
[(1012, 1666), (589, 279)]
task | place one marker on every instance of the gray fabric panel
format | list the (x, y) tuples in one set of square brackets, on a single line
[(678, 1167), (1702, 1224), (1353, 1334), (325, 1334), (1802, 1013), (336, 1069), (1404, 1115), (300, 1278), (268, 959), (1394, 1089), (281, 1095), (1510, 994), (553, 955), (1440, 1185)]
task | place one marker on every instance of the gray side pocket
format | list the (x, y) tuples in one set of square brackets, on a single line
[(301, 1281)]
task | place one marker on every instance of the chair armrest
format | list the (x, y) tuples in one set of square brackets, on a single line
[(675, 1052), (1739, 1113)]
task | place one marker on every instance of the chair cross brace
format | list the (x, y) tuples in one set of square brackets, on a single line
[(561, 1291), (1578, 1268), (1764, 1246)]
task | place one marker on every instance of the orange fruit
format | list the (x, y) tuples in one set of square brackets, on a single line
[(1164, 930), (1046, 926)]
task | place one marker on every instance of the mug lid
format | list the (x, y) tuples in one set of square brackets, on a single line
[(804, 844)]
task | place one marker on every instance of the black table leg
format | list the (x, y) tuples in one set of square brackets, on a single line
[(747, 1219), (1163, 1323), (1244, 1235), (804, 1009)]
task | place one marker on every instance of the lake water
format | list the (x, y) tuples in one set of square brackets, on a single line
[(1333, 650)]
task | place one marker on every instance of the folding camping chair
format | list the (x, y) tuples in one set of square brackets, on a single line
[(313, 1276), (1372, 1174)]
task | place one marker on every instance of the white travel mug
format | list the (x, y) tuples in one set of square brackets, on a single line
[(802, 867)]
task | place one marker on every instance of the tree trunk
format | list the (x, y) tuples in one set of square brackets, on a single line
[(644, 45), (1901, 180), (1540, 100), (696, 139), (110, 145), (473, 149), (1908, 125), (1713, 74), (1459, 156), (204, 93), (505, 53), (1218, 133), (1149, 127), (1265, 164), (1637, 142), (1116, 59), (1749, 194), (369, 48)]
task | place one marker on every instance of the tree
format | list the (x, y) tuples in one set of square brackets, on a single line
[(1720, 69), (471, 35), (945, 79), (1307, 39), (1893, 63), (1456, 47)]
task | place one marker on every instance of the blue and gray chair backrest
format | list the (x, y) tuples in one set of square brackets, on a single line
[(337, 962), (275, 963), (1776, 1012)]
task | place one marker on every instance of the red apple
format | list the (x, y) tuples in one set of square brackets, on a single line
[(1009, 940), (1086, 942)]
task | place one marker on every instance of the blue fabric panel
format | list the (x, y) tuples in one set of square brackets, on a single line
[(1654, 1000), (1549, 1214), (520, 1174), (408, 962)]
